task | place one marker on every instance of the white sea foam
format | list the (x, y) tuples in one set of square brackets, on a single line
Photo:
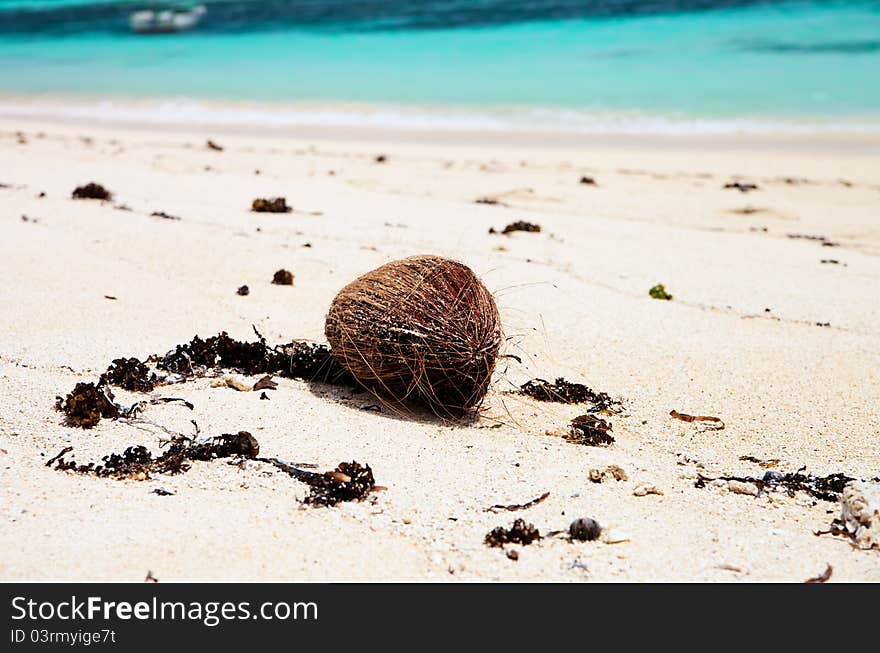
[(187, 112)]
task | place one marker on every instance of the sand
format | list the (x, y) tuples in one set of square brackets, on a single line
[(741, 340)]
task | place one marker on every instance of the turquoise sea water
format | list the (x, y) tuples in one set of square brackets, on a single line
[(778, 61)]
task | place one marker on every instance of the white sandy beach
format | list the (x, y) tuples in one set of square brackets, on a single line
[(741, 340)]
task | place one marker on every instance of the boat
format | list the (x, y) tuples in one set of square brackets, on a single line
[(166, 20)]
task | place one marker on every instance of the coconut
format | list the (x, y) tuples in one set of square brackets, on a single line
[(422, 329)]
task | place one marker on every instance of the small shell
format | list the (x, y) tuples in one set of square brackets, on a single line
[(740, 487), (614, 536), (644, 489)]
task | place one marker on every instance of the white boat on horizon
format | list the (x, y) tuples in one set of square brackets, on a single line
[(164, 21)]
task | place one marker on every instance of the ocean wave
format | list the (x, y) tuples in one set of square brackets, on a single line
[(277, 116)]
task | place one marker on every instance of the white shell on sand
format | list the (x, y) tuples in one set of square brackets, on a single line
[(614, 536), (742, 487), (644, 489)]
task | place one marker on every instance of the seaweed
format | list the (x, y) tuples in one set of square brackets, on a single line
[(348, 482), (91, 191), (283, 277), (211, 145), (520, 532), (822, 240), (244, 291), (740, 186), (590, 430), (164, 216), (566, 392), (518, 506), (302, 360), (270, 205), (588, 181), (824, 488), (265, 383), (716, 425), (519, 225), (86, 404), (129, 374), (823, 577), (138, 463), (491, 201), (89, 402), (196, 356), (315, 362), (838, 529), (659, 292)]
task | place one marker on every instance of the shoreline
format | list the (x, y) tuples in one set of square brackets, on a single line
[(507, 127)]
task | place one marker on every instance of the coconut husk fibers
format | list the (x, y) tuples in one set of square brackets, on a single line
[(422, 329)]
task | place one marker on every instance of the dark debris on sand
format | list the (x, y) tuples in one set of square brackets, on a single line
[(490, 201), (91, 191), (590, 430), (588, 181), (138, 463), (129, 374), (243, 291), (824, 488), (659, 292), (164, 216), (348, 482), (300, 360), (86, 404), (520, 532), (742, 187), (270, 205), (519, 225), (566, 392), (283, 278)]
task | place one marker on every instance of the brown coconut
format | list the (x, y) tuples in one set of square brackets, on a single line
[(421, 329)]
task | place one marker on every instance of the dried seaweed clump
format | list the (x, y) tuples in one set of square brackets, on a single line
[(314, 362), (348, 482), (590, 430), (421, 329), (270, 205), (283, 278), (197, 356), (86, 404), (824, 488), (520, 532), (659, 292), (300, 360), (130, 374), (138, 463), (566, 392), (91, 191), (519, 225)]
